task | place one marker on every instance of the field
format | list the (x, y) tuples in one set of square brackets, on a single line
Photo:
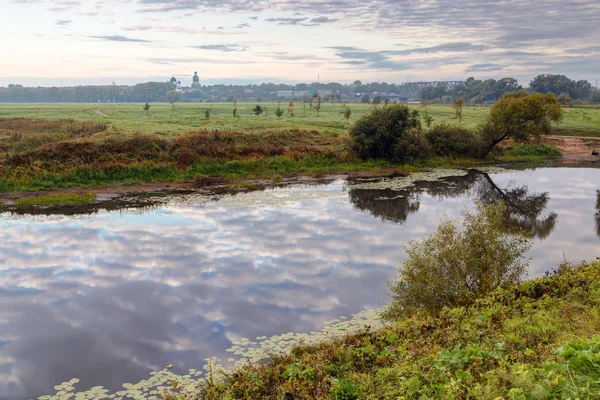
[(130, 117), (51, 146)]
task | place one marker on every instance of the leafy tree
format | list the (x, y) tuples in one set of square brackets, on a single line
[(565, 100), (146, 107), (279, 112), (391, 133), (558, 84), (332, 98), (291, 108), (305, 100), (365, 99), (458, 108), (207, 113), (347, 113), (376, 100), (595, 97), (257, 110), (458, 263), (317, 103), (519, 116)]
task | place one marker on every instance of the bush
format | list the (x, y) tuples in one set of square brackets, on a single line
[(533, 150), (453, 267), (447, 140), (391, 133)]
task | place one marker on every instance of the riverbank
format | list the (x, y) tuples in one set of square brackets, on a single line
[(536, 340), (68, 156)]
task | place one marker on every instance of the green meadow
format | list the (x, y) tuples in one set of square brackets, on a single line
[(184, 117)]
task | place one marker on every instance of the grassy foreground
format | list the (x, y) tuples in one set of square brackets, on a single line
[(129, 118), (537, 340)]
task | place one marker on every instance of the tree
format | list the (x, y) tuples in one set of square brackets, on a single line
[(365, 99), (595, 97), (428, 119), (376, 100), (279, 112), (391, 133), (347, 113), (519, 116), (291, 108), (458, 263), (174, 100), (317, 103), (305, 100), (565, 100), (257, 110), (146, 107), (558, 84), (458, 108), (235, 110), (207, 113)]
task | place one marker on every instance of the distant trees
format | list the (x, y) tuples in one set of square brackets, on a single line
[(376, 100), (559, 84), (433, 92), (365, 99), (595, 97), (519, 116)]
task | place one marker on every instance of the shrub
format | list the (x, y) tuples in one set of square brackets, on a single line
[(447, 140), (533, 150), (453, 267), (391, 133)]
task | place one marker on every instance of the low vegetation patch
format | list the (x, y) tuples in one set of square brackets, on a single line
[(57, 200), (533, 150)]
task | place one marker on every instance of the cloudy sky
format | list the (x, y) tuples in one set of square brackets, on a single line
[(67, 42)]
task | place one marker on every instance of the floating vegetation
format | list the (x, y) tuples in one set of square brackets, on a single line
[(243, 352)]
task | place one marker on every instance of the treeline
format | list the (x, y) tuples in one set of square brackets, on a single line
[(473, 91), (150, 91), (490, 90)]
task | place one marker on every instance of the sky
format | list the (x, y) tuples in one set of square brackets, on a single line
[(79, 42)]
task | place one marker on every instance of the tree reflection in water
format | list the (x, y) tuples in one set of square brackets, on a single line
[(524, 210)]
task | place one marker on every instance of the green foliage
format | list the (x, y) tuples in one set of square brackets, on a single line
[(345, 390), (519, 116), (146, 107), (391, 133), (454, 266), (565, 100), (365, 99), (533, 150), (57, 200), (557, 84), (279, 112), (346, 113), (527, 341), (257, 110), (452, 140), (376, 100)]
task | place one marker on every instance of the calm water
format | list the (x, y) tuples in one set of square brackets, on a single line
[(110, 296)]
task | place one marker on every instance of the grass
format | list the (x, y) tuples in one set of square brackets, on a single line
[(536, 340), (57, 200), (129, 118), (45, 147)]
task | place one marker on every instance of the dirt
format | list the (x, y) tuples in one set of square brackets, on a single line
[(100, 113), (575, 149)]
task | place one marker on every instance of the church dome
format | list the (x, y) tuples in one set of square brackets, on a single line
[(173, 80), (196, 78)]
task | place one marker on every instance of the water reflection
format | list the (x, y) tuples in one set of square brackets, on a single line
[(110, 296), (524, 210)]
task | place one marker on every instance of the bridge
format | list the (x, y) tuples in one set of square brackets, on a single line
[(412, 90)]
